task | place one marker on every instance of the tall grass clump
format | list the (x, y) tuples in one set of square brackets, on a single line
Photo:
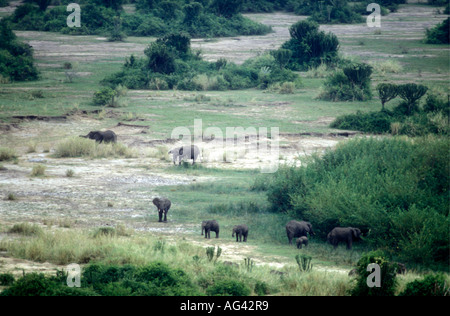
[(38, 171), (7, 154), (26, 229), (395, 188), (81, 147)]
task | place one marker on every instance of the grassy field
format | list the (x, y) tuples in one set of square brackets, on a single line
[(117, 191)]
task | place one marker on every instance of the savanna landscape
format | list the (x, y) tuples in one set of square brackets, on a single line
[(363, 117)]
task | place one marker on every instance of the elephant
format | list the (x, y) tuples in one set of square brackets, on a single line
[(344, 234), (209, 226), (302, 241), (239, 231), (298, 229), (107, 136), (188, 152), (163, 206)]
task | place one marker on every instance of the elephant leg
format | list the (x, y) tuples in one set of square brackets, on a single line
[(217, 234), (160, 215), (165, 216)]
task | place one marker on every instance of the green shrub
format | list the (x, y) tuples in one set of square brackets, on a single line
[(373, 122), (387, 276), (350, 84), (309, 46), (430, 285), (228, 288), (6, 279), (411, 93), (440, 34)]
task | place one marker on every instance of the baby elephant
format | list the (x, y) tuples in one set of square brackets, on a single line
[(209, 226), (302, 241), (188, 152), (107, 136), (163, 206), (239, 231)]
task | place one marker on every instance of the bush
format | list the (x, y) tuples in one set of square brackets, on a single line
[(228, 288), (310, 47), (374, 122), (429, 285), (16, 58), (440, 34), (350, 84), (6, 279), (82, 147)]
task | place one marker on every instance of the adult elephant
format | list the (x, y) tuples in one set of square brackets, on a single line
[(188, 152), (344, 234), (240, 231), (208, 226), (163, 206), (106, 136), (295, 229)]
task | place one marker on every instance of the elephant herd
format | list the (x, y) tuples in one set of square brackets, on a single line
[(294, 229)]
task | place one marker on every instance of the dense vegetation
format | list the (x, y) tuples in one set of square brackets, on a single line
[(440, 34), (170, 63), (16, 58), (409, 117), (397, 189), (152, 18)]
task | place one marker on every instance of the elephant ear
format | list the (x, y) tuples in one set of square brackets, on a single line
[(356, 232)]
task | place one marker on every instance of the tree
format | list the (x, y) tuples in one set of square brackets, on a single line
[(160, 58), (411, 93), (227, 8), (42, 4), (387, 92)]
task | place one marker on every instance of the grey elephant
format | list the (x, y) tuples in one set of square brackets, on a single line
[(209, 226), (298, 229), (188, 152), (302, 241), (344, 234), (240, 231), (106, 136), (163, 206)]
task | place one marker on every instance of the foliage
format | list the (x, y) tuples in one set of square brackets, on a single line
[(169, 63), (373, 122), (310, 46), (16, 58), (387, 186), (387, 92), (152, 18), (352, 83), (26, 229), (430, 285), (440, 34), (411, 93), (387, 276), (6, 279), (228, 288), (7, 154)]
